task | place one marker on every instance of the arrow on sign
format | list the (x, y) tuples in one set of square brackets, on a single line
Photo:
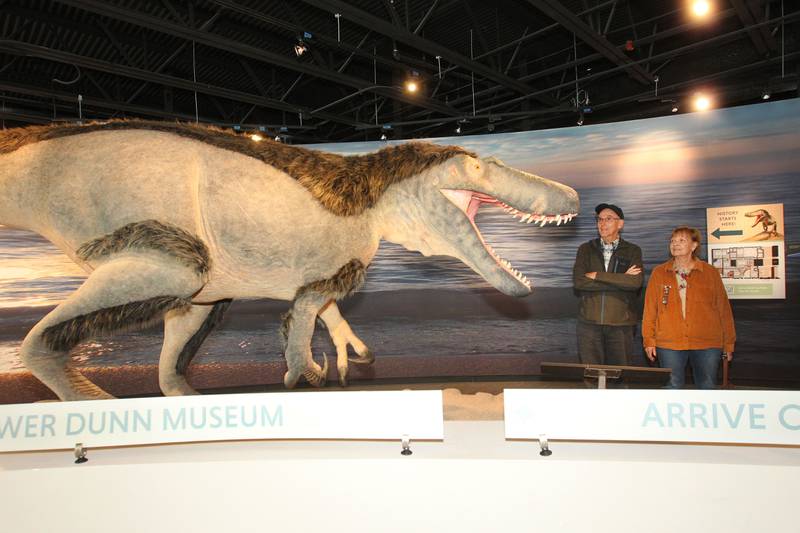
[(726, 233)]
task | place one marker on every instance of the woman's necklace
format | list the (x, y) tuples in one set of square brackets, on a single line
[(683, 275)]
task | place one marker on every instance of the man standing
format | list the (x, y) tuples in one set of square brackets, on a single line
[(607, 276)]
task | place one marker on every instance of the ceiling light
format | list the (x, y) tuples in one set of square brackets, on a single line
[(702, 102), (766, 95), (300, 48), (412, 82), (278, 138), (701, 8), (383, 136), (675, 108), (458, 129)]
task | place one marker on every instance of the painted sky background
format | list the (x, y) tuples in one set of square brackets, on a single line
[(755, 140)]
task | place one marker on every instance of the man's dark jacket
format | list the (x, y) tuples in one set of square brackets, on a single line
[(612, 298)]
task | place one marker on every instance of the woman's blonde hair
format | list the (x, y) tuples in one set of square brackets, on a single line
[(692, 233)]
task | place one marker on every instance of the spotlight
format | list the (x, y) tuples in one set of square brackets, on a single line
[(300, 48), (701, 8), (458, 129), (256, 137), (675, 108), (383, 136), (702, 102), (412, 82), (765, 95)]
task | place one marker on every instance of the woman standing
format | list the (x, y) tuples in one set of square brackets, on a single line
[(687, 316)]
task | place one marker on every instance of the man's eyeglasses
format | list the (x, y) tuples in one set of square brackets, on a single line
[(605, 219)]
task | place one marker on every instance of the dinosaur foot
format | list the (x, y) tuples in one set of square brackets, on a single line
[(362, 359), (315, 376), (342, 370)]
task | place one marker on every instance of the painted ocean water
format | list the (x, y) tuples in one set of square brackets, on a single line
[(33, 273)]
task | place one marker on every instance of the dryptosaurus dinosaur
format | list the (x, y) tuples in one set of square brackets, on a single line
[(173, 221)]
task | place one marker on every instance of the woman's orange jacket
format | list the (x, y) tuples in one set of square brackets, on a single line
[(708, 322)]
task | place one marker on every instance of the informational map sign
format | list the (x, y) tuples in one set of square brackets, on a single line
[(714, 416), (746, 246), (381, 415)]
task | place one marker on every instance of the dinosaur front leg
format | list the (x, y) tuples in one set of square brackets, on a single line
[(342, 335), (297, 330), (298, 325)]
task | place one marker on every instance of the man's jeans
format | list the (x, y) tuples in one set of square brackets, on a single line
[(705, 364)]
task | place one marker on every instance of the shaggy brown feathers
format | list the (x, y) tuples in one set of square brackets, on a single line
[(347, 280), (154, 235), (345, 185), (130, 316)]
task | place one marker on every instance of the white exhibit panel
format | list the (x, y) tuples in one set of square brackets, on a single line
[(389, 415), (719, 416), (472, 481)]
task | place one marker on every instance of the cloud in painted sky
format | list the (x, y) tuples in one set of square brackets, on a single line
[(759, 139)]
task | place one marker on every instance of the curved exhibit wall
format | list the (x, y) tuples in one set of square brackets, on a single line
[(434, 317)]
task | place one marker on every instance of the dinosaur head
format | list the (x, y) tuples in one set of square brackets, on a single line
[(435, 213), (760, 216)]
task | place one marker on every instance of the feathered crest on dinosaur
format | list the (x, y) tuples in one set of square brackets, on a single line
[(345, 185)]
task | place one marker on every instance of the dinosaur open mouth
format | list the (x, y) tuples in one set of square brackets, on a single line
[(470, 202)]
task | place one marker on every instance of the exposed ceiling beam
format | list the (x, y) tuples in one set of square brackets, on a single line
[(30, 50), (555, 10), (228, 45), (717, 40), (114, 106), (748, 14), (390, 30)]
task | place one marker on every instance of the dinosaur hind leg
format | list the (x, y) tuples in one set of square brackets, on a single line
[(184, 332), (126, 293)]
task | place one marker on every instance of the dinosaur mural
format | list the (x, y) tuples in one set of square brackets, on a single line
[(174, 221)]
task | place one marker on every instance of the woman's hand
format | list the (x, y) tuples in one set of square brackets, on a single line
[(728, 356), (650, 352)]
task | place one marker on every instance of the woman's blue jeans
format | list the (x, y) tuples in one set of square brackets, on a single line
[(705, 364)]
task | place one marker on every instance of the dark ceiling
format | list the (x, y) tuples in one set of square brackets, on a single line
[(501, 65)]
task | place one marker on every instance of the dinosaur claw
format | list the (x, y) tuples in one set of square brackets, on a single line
[(366, 359), (317, 377)]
